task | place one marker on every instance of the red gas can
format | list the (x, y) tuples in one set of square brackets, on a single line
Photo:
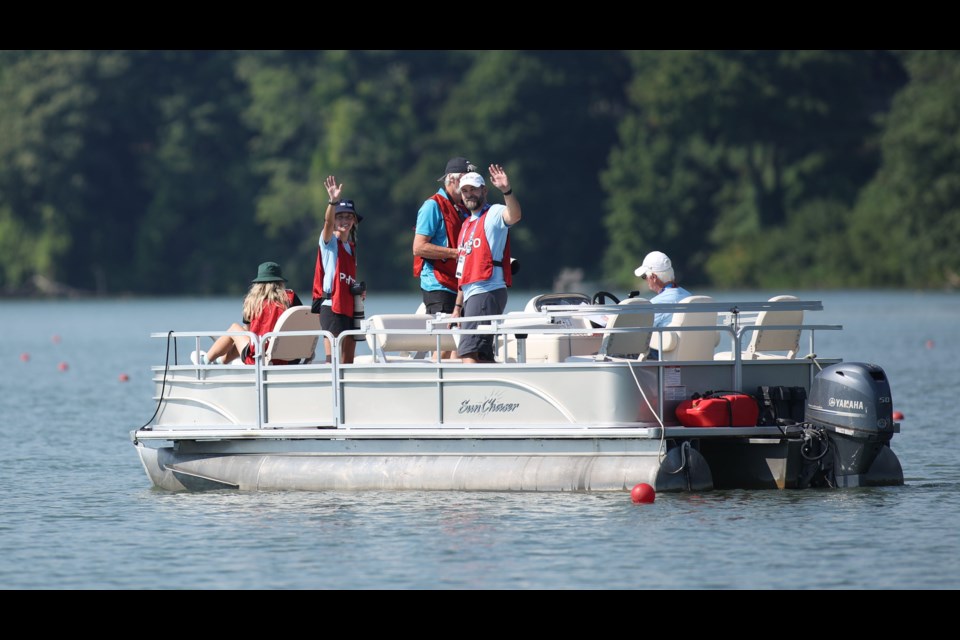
[(720, 409)]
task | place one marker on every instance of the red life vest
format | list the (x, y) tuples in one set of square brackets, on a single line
[(479, 263), (444, 270), (263, 323), (345, 275)]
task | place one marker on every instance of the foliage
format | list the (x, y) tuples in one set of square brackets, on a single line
[(721, 149), (163, 172), (906, 226)]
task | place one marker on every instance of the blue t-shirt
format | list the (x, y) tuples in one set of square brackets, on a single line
[(430, 223), (670, 295)]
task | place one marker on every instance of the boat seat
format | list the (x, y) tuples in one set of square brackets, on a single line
[(688, 345), (403, 347), (767, 344), (294, 348), (551, 347), (630, 346)]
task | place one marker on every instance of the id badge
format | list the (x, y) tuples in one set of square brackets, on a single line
[(460, 260)]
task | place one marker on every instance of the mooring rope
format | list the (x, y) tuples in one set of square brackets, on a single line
[(163, 386)]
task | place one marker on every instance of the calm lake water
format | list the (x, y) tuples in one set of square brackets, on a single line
[(78, 512)]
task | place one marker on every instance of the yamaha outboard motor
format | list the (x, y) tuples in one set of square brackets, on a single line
[(851, 408)]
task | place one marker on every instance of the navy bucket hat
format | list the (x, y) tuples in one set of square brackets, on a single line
[(347, 206)]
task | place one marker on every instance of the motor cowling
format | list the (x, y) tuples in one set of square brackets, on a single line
[(852, 404)]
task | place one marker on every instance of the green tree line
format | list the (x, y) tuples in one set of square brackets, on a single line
[(176, 172)]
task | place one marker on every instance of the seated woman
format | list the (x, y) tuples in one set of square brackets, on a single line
[(267, 299)]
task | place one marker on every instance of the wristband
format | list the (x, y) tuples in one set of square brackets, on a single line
[(507, 192), (333, 203)]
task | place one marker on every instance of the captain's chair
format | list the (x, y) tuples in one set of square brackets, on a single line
[(688, 345), (772, 344), (635, 344)]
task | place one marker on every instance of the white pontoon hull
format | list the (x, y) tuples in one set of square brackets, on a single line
[(424, 472)]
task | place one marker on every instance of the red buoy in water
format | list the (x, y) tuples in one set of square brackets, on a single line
[(929, 344), (124, 377), (643, 494), (63, 366), (897, 415), (24, 357), (55, 339)]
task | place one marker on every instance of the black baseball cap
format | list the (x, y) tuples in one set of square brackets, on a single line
[(457, 165)]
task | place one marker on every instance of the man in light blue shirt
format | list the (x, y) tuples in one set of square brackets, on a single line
[(657, 270), (484, 248)]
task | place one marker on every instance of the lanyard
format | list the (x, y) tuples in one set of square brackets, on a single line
[(473, 230)]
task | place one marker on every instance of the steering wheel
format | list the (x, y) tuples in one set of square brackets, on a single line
[(600, 297)]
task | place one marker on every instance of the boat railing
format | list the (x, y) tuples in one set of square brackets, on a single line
[(201, 371), (736, 319), (550, 320), (175, 337)]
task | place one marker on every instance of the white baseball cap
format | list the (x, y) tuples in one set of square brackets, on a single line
[(473, 179), (655, 262)]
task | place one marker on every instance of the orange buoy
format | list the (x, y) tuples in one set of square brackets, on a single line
[(643, 493), (897, 415), (124, 377), (24, 357), (55, 339), (929, 344), (63, 366)]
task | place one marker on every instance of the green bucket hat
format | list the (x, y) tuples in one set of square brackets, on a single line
[(269, 272)]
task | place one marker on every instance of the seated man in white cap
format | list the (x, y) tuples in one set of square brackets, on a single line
[(657, 270)]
